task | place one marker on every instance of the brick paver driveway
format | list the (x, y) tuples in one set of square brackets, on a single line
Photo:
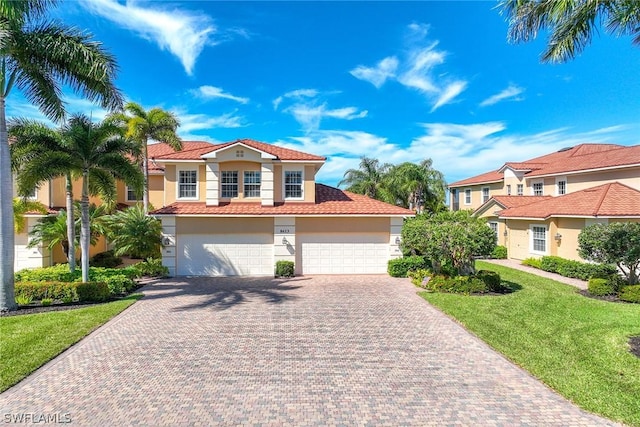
[(309, 351)]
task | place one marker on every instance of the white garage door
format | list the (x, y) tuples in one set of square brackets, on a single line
[(344, 253), (225, 255)]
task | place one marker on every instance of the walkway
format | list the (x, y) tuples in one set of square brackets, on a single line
[(512, 263), (311, 351)]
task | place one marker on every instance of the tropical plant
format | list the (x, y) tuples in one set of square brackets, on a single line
[(37, 56), (616, 243), (142, 126), (367, 179), (132, 232), (97, 153), (449, 240), (52, 230), (415, 186), (23, 206), (571, 23)]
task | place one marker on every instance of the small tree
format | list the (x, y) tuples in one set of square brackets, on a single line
[(617, 243), (449, 239), (134, 233)]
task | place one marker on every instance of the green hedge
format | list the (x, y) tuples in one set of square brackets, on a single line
[(417, 276), (105, 259), (575, 269), (491, 279), (532, 262), (93, 291), (400, 267), (630, 293), (484, 281), (500, 252), (600, 287), (63, 291), (151, 267)]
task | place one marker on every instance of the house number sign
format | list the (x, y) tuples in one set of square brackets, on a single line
[(284, 230)]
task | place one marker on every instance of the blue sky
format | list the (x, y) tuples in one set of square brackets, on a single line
[(398, 81)]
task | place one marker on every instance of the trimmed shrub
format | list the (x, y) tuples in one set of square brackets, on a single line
[(576, 269), (532, 262), (56, 273), (40, 290), (550, 263), (600, 287), (491, 279), (92, 291), (285, 268), (500, 252), (458, 284), (105, 259), (399, 267), (418, 276), (630, 293), (46, 302), (151, 267)]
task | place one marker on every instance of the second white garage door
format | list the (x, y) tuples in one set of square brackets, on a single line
[(225, 255), (344, 253)]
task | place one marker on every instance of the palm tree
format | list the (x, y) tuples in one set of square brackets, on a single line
[(367, 179), (415, 186), (36, 56), (132, 232), (98, 154), (142, 126), (21, 207), (52, 230), (570, 23)]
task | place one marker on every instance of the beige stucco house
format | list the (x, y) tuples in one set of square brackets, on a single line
[(237, 208), (539, 206)]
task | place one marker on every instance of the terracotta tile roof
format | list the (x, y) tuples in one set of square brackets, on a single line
[(194, 150), (493, 176), (515, 201), (613, 199), (572, 159), (329, 201)]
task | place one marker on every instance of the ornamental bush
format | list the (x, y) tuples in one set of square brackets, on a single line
[(630, 293), (532, 262), (500, 252), (600, 287), (285, 268), (399, 267), (491, 279), (105, 259), (93, 291), (417, 277), (151, 267), (36, 291)]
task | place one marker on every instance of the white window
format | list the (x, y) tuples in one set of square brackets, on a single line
[(494, 226), (293, 184), (561, 186), (229, 184), (508, 189), (538, 239), (485, 194), (467, 196), (252, 182), (132, 196), (188, 184), (520, 189), (537, 188)]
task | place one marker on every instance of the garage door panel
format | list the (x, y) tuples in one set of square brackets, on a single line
[(343, 253), (225, 255)]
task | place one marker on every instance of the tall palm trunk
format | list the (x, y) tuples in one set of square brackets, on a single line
[(7, 237), (145, 170), (85, 238), (71, 227)]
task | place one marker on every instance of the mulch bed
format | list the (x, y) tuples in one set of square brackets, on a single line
[(608, 298), (634, 344), (44, 309)]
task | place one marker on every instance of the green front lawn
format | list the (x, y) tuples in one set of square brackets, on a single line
[(576, 345), (31, 340)]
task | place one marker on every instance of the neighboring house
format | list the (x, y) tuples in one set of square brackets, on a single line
[(539, 206), (237, 208)]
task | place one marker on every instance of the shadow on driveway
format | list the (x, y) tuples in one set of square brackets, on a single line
[(222, 293)]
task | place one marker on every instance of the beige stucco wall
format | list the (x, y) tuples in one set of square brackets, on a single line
[(170, 177), (58, 255), (495, 189), (569, 228), (343, 225), (628, 176), (224, 225)]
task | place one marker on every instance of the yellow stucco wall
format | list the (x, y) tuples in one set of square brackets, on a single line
[(240, 167), (628, 176), (495, 189), (224, 225), (569, 228), (342, 225)]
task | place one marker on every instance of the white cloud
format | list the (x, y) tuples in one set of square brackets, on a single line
[(194, 122), (295, 94), (458, 150), (511, 93), (310, 116), (377, 75), (209, 92), (182, 33), (449, 93), (415, 69)]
